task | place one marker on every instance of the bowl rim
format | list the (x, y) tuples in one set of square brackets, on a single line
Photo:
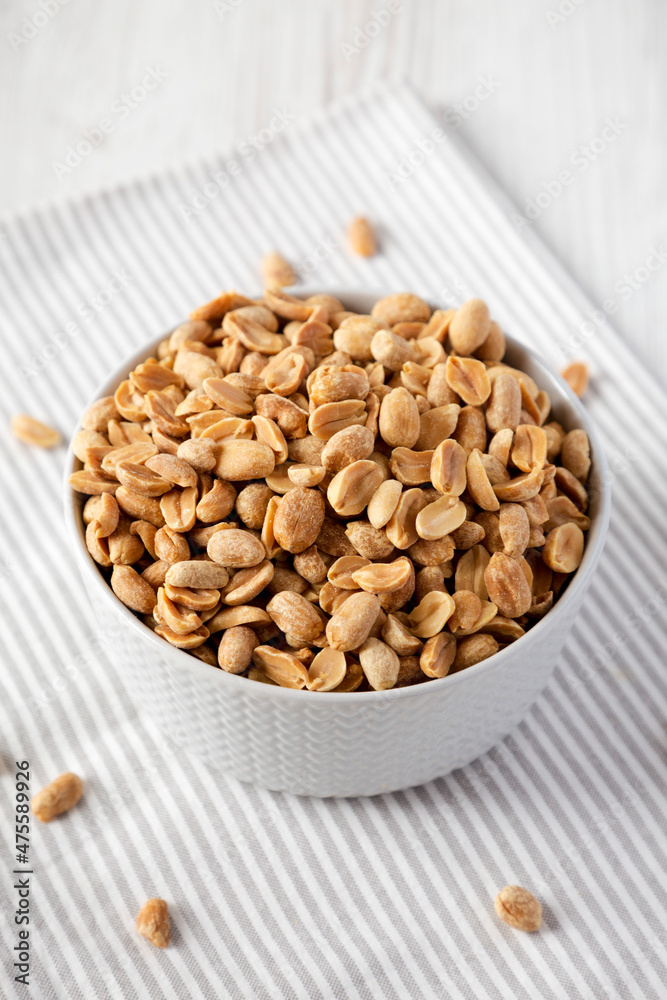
[(237, 683)]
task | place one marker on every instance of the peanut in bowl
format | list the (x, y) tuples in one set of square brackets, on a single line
[(333, 548)]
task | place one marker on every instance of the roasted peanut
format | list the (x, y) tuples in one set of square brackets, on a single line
[(239, 460), (380, 664), (352, 488), (361, 237), (246, 584), (576, 376), (468, 608), (329, 418), (518, 908), (58, 796), (399, 419), (401, 308), (153, 922), (351, 444), (479, 484), (350, 625), (529, 450), (440, 518), (503, 410), (470, 326), (35, 433), (199, 573), (470, 430), (431, 614), (299, 519), (437, 424), (295, 616), (469, 380), (438, 654), (276, 273), (379, 578), (327, 670), (575, 454), (391, 350), (493, 347), (507, 586), (132, 590), (235, 548), (473, 649), (563, 549)]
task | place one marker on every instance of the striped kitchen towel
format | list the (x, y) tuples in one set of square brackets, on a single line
[(270, 895)]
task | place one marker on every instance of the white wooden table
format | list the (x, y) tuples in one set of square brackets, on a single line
[(562, 100)]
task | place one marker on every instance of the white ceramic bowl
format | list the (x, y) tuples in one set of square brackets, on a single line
[(361, 743)]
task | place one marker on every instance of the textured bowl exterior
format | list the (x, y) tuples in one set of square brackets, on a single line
[(362, 743)]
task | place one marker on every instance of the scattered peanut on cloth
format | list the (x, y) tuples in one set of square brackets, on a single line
[(361, 237), (319, 499), (153, 922), (518, 908), (277, 272), (576, 375), (58, 797), (34, 432)]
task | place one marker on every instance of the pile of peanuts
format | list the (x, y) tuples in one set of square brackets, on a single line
[(325, 500)]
